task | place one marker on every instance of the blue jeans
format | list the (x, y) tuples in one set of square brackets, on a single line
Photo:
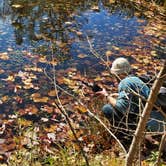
[(152, 125)]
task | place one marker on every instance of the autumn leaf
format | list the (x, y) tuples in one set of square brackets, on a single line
[(82, 55), (48, 109), (50, 129), (7, 146), (115, 48), (41, 99), (2, 71), (10, 78), (108, 53), (4, 98), (52, 93), (111, 1), (81, 108), (42, 59), (4, 56), (35, 95), (53, 62), (31, 109), (98, 78), (36, 69), (79, 33), (17, 6)]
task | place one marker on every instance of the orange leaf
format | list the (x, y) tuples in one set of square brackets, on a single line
[(81, 108), (41, 99)]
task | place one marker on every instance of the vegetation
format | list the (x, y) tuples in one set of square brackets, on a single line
[(48, 114)]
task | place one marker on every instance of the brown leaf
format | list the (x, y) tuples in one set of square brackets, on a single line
[(52, 93)]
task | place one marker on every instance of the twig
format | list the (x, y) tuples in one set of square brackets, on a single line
[(92, 115), (161, 147), (63, 111), (137, 139)]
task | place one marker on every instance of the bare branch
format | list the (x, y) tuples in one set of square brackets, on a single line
[(137, 139)]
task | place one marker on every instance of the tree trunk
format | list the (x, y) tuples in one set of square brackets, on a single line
[(139, 133)]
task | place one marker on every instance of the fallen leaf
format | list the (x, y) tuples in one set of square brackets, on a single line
[(82, 55), (4, 56), (4, 98), (9, 78), (50, 129), (17, 6), (2, 71), (115, 48), (81, 108), (48, 109), (108, 53), (111, 1), (41, 99), (52, 93)]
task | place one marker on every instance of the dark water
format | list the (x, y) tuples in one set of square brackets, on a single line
[(29, 26), (30, 30)]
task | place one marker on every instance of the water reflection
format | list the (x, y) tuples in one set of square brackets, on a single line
[(61, 28), (48, 20)]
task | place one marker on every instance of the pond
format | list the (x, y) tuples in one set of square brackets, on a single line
[(70, 37)]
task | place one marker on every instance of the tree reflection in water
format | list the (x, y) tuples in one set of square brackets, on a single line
[(47, 21)]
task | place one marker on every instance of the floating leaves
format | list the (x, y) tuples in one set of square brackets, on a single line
[(10, 78), (37, 98), (109, 53), (82, 55), (26, 89), (30, 110), (4, 56), (17, 6)]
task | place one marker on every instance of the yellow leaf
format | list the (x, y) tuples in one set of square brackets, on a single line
[(24, 122), (81, 108), (41, 99), (153, 53), (17, 6), (10, 78), (43, 59), (98, 78), (51, 129), (37, 69), (69, 82)]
